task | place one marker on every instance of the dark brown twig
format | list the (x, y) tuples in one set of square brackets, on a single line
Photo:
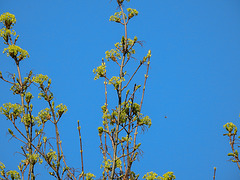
[(214, 173)]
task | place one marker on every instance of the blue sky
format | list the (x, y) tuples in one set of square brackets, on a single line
[(194, 78)]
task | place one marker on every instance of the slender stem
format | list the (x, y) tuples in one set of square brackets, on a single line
[(14, 124), (105, 126), (232, 141), (57, 136), (124, 163), (19, 139), (22, 175), (56, 131), (106, 101), (128, 154), (132, 76), (7, 81), (144, 87), (214, 174), (59, 146), (119, 98), (81, 149), (29, 136), (20, 80), (45, 157), (64, 161)]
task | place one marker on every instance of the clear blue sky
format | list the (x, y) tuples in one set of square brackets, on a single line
[(194, 78)]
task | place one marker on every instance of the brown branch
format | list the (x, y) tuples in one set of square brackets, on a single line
[(144, 86), (39, 133), (128, 58), (10, 39), (124, 155), (6, 80), (29, 137), (132, 75), (119, 97), (64, 161), (56, 132), (232, 142), (123, 152), (20, 132), (18, 139), (21, 85)]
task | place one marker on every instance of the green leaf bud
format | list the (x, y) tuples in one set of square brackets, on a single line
[(168, 176), (62, 109), (8, 20), (14, 175), (53, 104), (49, 82), (100, 131), (231, 128), (135, 38), (137, 146), (40, 79), (14, 51), (236, 152), (115, 81), (100, 71), (151, 176), (89, 176), (65, 169), (10, 131), (149, 54), (52, 173), (44, 139), (132, 12), (116, 17), (28, 97)]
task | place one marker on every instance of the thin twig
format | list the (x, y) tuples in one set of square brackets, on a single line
[(232, 142), (81, 149), (132, 75), (6, 80), (214, 173), (144, 86)]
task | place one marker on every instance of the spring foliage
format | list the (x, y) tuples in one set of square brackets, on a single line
[(121, 122), (233, 141)]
